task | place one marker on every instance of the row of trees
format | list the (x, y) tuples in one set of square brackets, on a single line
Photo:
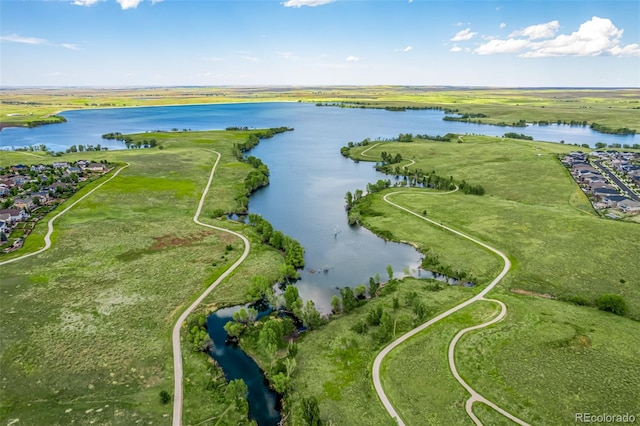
[(390, 159), (293, 250), (513, 135), (87, 148)]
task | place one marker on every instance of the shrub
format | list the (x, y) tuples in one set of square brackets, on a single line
[(613, 303), (165, 397)]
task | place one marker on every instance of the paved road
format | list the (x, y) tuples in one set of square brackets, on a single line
[(177, 352), (623, 186), (47, 237), (475, 396)]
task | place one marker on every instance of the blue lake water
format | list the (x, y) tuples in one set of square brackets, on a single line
[(305, 198)]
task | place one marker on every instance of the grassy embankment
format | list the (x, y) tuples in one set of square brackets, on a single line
[(545, 349), (86, 326), (613, 108)]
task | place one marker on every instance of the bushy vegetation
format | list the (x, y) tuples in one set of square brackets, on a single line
[(613, 303), (293, 250), (513, 135)]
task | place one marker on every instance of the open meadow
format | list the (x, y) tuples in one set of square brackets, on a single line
[(544, 349), (86, 325)]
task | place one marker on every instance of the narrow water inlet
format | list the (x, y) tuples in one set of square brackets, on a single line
[(264, 403)]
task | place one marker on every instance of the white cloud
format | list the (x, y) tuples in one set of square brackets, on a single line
[(26, 40), (463, 35), (286, 55), (598, 36), (502, 25), (539, 31), (129, 4), (595, 37), (250, 58), (352, 59), (455, 49), (85, 2), (70, 46), (405, 49), (502, 46), (154, 2), (212, 58), (628, 50), (311, 3)]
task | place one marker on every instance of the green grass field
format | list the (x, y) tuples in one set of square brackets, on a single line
[(548, 359), (86, 326), (614, 108), (532, 210)]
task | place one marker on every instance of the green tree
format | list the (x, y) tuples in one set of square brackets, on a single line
[(336, 305), (280, 383), (359, 291), (310, 317), (390, 272), (292, 298), (311, 412), (165, 397), (234, 329), (349, 301), (374, 285), (236, 393)]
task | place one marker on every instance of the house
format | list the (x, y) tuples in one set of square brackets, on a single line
[(43, 196), (613, 200), (38, 168), (13, 215), (24, 203), (96, 167), (19, 180), (4, 190), (605, 191), (4, 226), (60, 165), (55, 185), (629, 206), (74, 169)]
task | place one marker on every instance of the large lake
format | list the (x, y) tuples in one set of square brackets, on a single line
[(305, 199)]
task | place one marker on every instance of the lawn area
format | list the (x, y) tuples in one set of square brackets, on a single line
[(86, 326)]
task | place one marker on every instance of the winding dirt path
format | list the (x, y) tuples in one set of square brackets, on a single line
[(177, 352), (47, 237), (475, 396)]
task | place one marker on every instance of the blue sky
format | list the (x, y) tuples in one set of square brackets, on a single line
[(319, 42)]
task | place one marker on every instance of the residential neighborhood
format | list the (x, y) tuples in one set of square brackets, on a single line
[(27, 193), (611, 179)]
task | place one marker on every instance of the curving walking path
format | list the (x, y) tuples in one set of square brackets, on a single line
[(475, 396), (47, 237), (177, 352)]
